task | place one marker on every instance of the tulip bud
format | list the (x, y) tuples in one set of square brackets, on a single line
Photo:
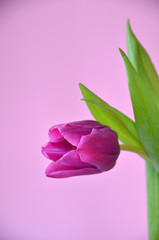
[(80, 148)]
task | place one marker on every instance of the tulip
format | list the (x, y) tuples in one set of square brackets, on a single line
[(80, 148)]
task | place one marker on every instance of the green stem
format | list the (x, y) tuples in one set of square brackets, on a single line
[(134, 149), (152, 201)]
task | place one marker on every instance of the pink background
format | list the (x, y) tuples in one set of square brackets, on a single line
[(46, 48)]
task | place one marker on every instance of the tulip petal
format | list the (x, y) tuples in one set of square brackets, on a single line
[(54, 133), (72, 159), (74, 134), (100, 149), (86, 124), (55, 151), (55, 170), (73, 131)]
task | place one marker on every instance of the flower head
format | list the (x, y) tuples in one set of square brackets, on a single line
[(80, 148)]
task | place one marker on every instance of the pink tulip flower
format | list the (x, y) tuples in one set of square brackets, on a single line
[(80, 148)]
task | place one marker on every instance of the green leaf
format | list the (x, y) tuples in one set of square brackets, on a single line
[(142, 62), (147, 122), (146, 111), (107, 115)]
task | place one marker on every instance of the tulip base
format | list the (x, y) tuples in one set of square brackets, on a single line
[(152, 201)]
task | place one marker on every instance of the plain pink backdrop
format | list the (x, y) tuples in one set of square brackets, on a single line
[(46, 48)]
